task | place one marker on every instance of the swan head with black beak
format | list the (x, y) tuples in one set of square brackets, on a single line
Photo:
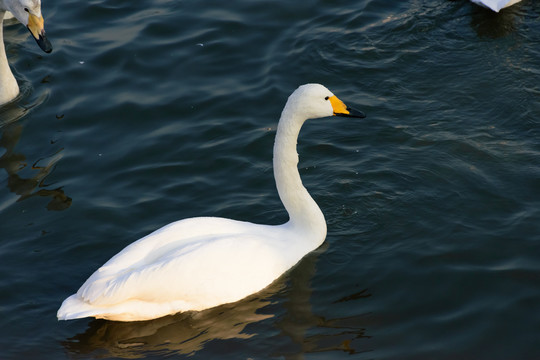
[(28, 12)]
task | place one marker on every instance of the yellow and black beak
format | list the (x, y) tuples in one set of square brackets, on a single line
[(35, 25), (340, 109)]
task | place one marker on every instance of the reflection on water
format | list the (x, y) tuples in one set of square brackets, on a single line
[(11, 112), (184, 333), (311, 333), (433, 186), (14, 163), (190, 333), (346, 335)]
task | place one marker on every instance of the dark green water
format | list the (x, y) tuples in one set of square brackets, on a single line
[(148, 112)]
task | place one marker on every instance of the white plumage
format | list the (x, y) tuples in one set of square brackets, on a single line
[(8, 16), (199, 263)]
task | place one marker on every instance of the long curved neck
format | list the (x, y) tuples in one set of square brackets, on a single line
[(303, 211), (8, 85)]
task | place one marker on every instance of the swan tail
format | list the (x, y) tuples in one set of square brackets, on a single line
[(75, 308)]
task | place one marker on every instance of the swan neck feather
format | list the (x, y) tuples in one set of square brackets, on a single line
[(304, 213), (8, 85)]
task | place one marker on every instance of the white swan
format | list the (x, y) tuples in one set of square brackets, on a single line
[(199, 263), (28, 12), (495, 5)]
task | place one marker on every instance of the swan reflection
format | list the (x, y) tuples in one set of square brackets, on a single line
[(14, 163), (184, 333), (312, 333)]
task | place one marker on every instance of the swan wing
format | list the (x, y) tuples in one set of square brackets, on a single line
[(201, 271), (172, 236)]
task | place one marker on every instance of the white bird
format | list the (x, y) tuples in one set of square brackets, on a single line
[(199, 263), (28, 12), (495, 5)]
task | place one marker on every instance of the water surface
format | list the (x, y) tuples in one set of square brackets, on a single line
[(152, 111)]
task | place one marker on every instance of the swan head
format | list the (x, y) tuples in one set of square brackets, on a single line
[(313, 101), (28, 12)]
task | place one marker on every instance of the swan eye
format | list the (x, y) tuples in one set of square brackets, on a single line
[(326, 98), (26, 9)]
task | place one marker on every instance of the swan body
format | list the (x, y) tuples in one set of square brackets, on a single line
[(28, 12), (202, 262), (495, 5)]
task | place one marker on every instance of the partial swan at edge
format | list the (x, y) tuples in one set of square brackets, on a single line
[(28, 12), (199, 263), (495, 5)]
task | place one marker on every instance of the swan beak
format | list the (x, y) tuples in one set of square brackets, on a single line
[(35, 25), (340, 109)]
